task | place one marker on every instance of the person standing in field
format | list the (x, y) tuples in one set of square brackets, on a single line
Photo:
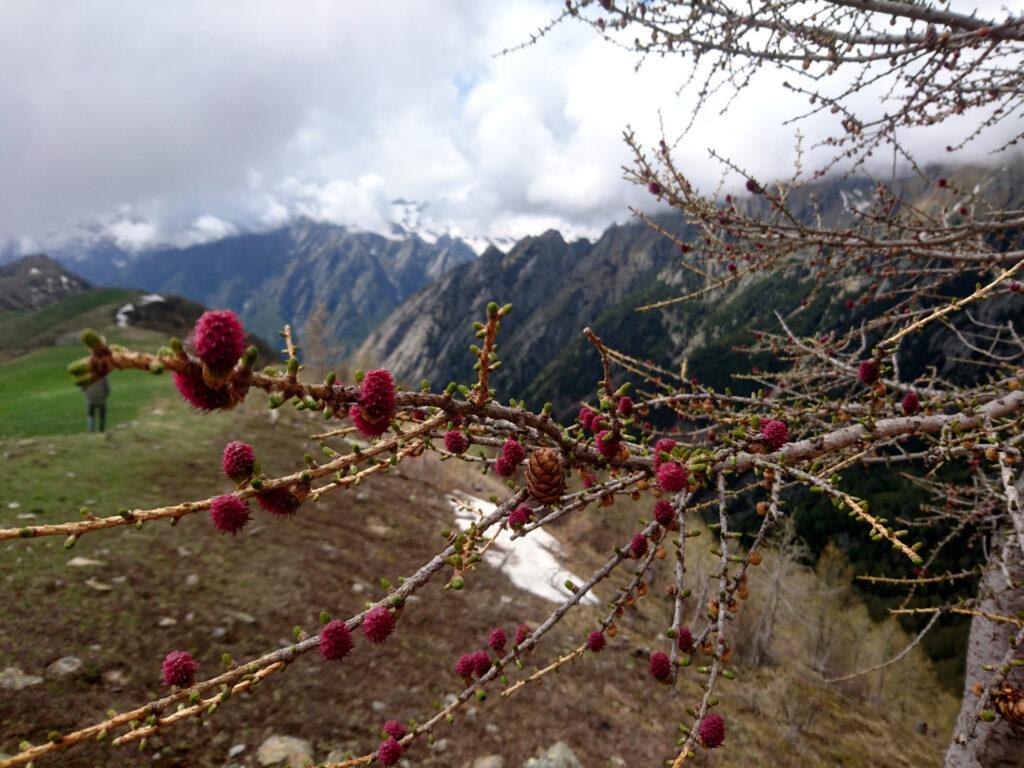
[(96, 404)]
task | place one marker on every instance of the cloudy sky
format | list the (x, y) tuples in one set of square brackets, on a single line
[(178, 122)]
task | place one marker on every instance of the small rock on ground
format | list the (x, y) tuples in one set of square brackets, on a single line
[(115, 679), (558, 755), (82, 562), (13, 679), (285, 750), (490, 761), (65, 666)]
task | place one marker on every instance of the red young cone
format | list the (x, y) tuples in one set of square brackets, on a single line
[(608, 443), (229, 513), (685, 640), (662, 446), (238, 460), (672, 476), (910, 403), (638, 546), (513, 452), (774, 434), (279, 502), (711, 730), (394, 729), (523, 631), (179, 669), (664, 514), (197, 393), (586, 416), (519, 516), (219, 340), (376, 407), (869, 372), (481, 663), (378, 624), (335, 640), (503, 467), (455, 441), (389, 752), (464, 666), (497, 640), (661, 667)]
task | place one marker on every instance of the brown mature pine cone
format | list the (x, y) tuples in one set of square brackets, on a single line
[(1009, 703), (545, 477)]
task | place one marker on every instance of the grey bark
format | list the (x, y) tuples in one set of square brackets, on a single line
[(994, 745)]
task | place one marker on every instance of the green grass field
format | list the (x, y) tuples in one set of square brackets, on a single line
[(58, 473), (37, 396)]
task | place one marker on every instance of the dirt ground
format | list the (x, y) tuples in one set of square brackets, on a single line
[(190, 588)]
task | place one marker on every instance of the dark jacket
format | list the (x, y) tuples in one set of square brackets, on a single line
[(96, 393)]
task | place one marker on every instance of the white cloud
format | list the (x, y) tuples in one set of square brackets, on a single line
[(132, 235), (362, 203), (184, 122), (208, 227)]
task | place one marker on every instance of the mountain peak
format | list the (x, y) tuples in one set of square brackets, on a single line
[(285, 274), (34, 281)]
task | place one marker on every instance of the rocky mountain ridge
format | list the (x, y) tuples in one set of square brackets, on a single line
[(282, 276), (558, 288), (35, 281)]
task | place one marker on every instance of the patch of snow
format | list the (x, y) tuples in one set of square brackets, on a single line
[(532, 563), (64, 279), (119, 263), (35, 271), (854, 202), (122, 315)]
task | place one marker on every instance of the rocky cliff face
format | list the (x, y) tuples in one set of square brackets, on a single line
[(558, 288)]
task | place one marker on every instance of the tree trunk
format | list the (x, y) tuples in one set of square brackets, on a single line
[(995, 744), (764, 634)]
